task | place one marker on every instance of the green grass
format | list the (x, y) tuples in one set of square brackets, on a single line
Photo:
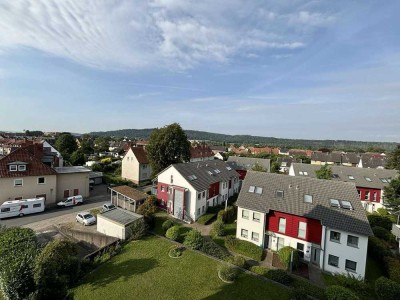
[(143, 270), (207, 218)]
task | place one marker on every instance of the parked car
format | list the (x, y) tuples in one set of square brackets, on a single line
[(107, 207), (70, 201), (86, 218)]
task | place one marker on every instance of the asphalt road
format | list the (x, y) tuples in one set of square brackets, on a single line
[(99, 196)]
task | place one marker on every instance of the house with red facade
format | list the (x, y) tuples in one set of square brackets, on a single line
[(186, 190), (200, 152), (370, 183), (244, 164), (323, 219)]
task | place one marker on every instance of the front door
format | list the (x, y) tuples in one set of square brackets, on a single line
[(280, 244), (315, 253), (266, 241), (178, 204)]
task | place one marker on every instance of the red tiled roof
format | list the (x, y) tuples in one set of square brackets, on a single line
[(34, 165), (200, 151), (140, 154)]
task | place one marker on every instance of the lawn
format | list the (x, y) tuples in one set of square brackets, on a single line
[(143, 270)]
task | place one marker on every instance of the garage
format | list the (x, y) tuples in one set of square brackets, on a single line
[(116, 221)]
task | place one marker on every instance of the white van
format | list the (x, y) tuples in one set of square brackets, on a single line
[(21, 207), (70, 201)]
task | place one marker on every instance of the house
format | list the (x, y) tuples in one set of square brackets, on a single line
[(244, 164), (72, 181), (283, 151), (349, 159), (370, 183), (285, 163), (218, 149), (268, 150), (186, 190), (200, 152), (136, 166), (372, 160), (324, 220), (219, 155)]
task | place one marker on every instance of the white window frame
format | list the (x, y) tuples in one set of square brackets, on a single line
[(350, 269), (244, 213), (351, 244), (244, 233), (302, 232), (13, 168), (253, 236), (282, 225), (44, 180), (17, 185), (21, 168), (255, 219), (308, 198), (162, 189)]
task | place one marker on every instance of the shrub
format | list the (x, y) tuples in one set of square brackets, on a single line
[(259, 270), (176, 251), (298, 293), (218, 228), (248, 249), (194, 240), (205, 219), (393, 268), (377, 248), (137, 230), (167, 225), (309, 288), (230, 242), (285, 254), (238, 260), (173, 233), (210, 248), (387, 289), (228, 215), (227, 272), (381, 221), (149, 207), (336, 292), (356, 285), (279, 276), (383, 234), (384, 212)]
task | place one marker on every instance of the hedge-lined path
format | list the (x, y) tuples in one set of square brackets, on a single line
[(204, 229)]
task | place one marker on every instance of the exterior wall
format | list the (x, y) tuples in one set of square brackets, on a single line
[(213, 190), (343, 251), (251, 226), (71, 181), (202, 158), (144, 172), (242, 174), (109, 228), (29, 189), (130, 167), (371, 203), (313, 229)]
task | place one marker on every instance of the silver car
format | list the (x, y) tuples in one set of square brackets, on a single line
[(86, 218), (107, 207)]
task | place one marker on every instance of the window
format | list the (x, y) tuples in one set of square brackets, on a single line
[(305, 173), (259, 190), (352, 241), (204, 194), (13, 168), (334, 203), (217, 171), (210, 173), (245, 214), (333, 260), (162, 202), (144, 166), (300, 172), (162, 188), (228, 168), (76, 192), (198, 211), (256, 217), (282, 225), (5, 209), (308, 198), (359, 193), (351, 265), (300, 249), (244, 233), (172, 178), (202, 209), (37, 205), (384, 180), (41, 180), (375, 196), (198, 196), (279, 194), (252, 189), (346, 205), (335, 236), (302, 230), (66, 193), (18, 182), (368, 179), (351, 177), (21, 168), (254, 236), (24, 206)]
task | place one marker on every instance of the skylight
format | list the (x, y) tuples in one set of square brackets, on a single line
[(252, 189), (347, 205), (192, 177), (300, 172), (368, 179), (335, 176), (305, 173), (259, 190), (384, 180), (351, 177), (308, 198), (210, 173), (228, 168), (279, 194), (217, 171), (334, 203)]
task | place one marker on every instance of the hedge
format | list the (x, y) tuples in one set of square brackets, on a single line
[(194, 240), (387, 289), (378, 220), (228, 215), (285, 254), (167, 225), (392, 266), (228, 272), (211, 248), (206, 219), (218, 228), (238, 260), (378, 248), (336, 292), (245, 248), (383, 234), (173, 233), (354, 284)]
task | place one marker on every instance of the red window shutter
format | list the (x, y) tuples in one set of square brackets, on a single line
[(66, 193), (76, 192)]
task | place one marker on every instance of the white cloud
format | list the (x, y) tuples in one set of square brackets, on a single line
[(134, 34)]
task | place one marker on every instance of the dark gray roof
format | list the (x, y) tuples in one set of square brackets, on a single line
[(327, 157), (342, 173), (247, 163), (200, 171), (121, 216), (294, 189), (370, 160)]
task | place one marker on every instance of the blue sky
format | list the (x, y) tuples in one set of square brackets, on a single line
[(293, 69)]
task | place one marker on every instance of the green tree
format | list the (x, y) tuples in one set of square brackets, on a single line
[(167, 145), (18, 249), (324, 173), (393, 161), (56, 268), (101, 144), (77, 158), (275, 167), (86, 145), (148, 208), (392, 194), (259, 168), (66, 144)]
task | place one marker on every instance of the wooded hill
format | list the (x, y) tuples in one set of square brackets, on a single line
[(219, 138)]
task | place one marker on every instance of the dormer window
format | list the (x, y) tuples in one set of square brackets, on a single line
[(21, 168), (13, 168)]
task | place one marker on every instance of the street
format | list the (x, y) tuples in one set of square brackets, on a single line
[(98, 196)]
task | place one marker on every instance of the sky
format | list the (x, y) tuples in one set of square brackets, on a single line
[(288, 68)]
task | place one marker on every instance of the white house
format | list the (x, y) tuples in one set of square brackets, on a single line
[(186, 190), (136, 166), (323, 219)]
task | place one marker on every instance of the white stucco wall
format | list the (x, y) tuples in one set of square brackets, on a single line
[(251, 226), (110, 228)]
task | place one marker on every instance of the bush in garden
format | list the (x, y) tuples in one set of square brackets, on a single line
[(194, 240), (356, 285), (378, 248), (167, 225), (205, 219), (381, 221), (173, 233), (298, 293), (218, 228), (227, 272), (392, 266), (383, 234), (230, 242), (259, 270), (228, 215), (284, 255), (210, 248), (238, 260), (248, 249), (336, 292), (176, 251), (137, 230), (279, 276), (387, 289)]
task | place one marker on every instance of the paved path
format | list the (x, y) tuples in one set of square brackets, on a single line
[(315, 275)]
